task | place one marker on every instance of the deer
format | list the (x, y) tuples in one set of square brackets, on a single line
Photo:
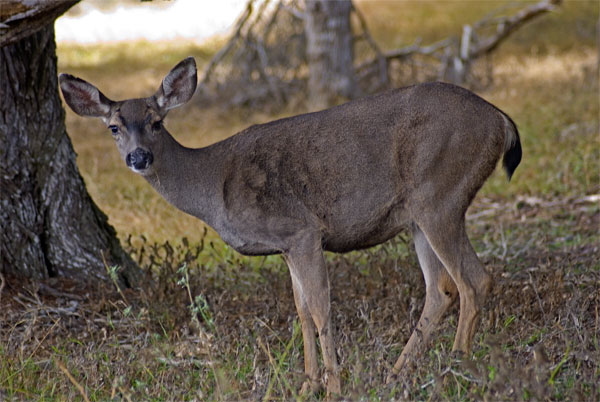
[(341, 179)]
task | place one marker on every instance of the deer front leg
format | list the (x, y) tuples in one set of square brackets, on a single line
[(311, 362), (311, 292)]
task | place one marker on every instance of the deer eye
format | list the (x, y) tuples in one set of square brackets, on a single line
[(157, 125), (114, 129)]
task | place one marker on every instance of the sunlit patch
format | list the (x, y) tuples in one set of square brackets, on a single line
[(182, 19)]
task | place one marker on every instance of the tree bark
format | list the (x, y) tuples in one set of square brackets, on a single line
[(329, 51), (21, 18), (49, 224)]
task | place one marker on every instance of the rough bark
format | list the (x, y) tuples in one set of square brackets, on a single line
[(49, 224), (329, 51), (21, 18)]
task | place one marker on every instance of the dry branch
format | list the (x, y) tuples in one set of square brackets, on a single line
[(230, 44), (259, 63), (506, 26), (380, 58), (265, 62), (455, 57)]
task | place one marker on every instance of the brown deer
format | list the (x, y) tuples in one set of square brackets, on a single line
[(341, 179)]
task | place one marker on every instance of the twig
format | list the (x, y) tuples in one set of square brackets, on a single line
[(42, 340), (28, 332), (223, 52), (526, 247), (275, 366), (431, 382), (508, 25), (259, 14), (293, 11), (272, 21), (537, 295), (366, 34), (2, 283), (416, 49), (262, 57), (464, 377), (503, 243), (62, 367), (409, 51)]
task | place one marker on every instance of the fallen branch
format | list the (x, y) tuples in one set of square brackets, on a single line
[(455, 56), (508, 25)]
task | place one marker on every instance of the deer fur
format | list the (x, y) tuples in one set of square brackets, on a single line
[(341, 179)]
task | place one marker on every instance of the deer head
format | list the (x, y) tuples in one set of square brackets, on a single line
[(136, 124)]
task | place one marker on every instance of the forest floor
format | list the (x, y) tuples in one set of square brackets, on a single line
[(211, 324)]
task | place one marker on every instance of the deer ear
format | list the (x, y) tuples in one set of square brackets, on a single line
[(84, 98), (178, 86)]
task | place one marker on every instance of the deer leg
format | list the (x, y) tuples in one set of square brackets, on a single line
[(441, 292), (311, 362), (311, 288), (449, 240)]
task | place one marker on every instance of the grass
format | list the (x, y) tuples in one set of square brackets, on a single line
[(538, 338), (398, 23), (210, 324)]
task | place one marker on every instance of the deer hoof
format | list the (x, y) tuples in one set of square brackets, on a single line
[(310, 387), (392, 378), (334, 386)]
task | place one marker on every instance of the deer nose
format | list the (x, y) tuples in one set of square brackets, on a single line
[(139, 159)]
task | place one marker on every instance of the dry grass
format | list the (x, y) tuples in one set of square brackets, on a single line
[(538, 338), (538, 235)]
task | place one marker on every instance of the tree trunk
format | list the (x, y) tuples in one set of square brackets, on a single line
[(329, 52), (49, 224)]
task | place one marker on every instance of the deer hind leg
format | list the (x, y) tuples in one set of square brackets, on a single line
[(441, 292), (311, 293), (449, 240)]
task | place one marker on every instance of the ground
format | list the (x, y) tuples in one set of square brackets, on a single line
[(538, 336), (211, 324)]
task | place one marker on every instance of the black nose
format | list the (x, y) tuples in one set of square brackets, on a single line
[(139, 159)]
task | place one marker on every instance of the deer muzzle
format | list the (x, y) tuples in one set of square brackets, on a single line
[(139, 159)]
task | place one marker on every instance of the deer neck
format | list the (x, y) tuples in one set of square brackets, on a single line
[(188, 179)]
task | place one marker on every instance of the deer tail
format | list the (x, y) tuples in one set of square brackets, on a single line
[(512, 146)]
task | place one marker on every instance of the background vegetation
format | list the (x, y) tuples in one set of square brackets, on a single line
[(538, 235)]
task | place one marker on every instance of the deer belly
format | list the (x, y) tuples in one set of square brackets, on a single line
[(249, 241), (358, 233), (251, 248)]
